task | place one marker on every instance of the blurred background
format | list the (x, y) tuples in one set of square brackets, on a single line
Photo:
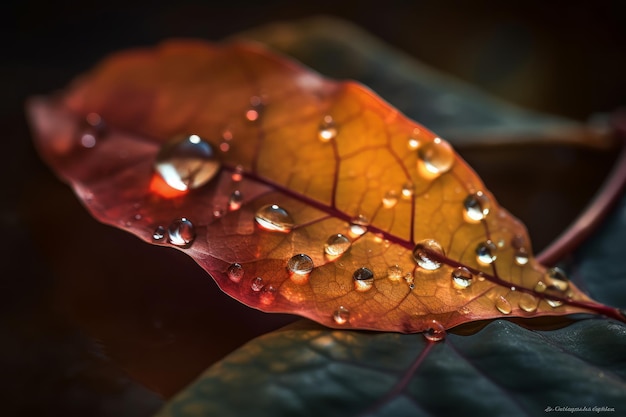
[(94, 323)]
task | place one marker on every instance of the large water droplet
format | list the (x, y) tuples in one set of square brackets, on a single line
[(436, 332), (159, 233), (358, 225), (235, 272), (363, 279), (337, 245), (327, 129), (503, 305), (394, 273), (300, 264), (462, 278), (181, 232), (528, 303), (556, 279), (341, 315), (187, 162), (423, 254), (257, 284), (390, 199), (235, 200), (486, 252), (477, 207), (435, 158), (274, 218)]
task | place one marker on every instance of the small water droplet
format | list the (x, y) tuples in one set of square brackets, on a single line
[(462, 278), (521, 257), (528, 303), (410, 280), (436, 332), (181, 232), (464, 310), (554, 303), (235, 200), (268, 294), (300, 264), (187, 162), (237, 173), (218, 211), (540, 287), (227, 135), (257, 284), (159, 233), (556, 279), (235, 272), (422, 254), (390, 199), (341, 315), (503, 305), (337, 245), (363, 279), (477, 207), (224, 147), (274, 218), (137, 216), (327, 129), (358, 225), (407, 190), (254, 111), (486, 252), (435, 158), (91, 130), (394, 273), (413, 144)]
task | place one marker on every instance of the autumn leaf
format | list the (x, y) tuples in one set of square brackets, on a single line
[(296, 193)]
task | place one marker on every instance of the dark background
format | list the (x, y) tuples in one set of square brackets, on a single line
[(88, 319)]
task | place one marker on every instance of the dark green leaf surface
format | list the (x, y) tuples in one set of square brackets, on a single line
[(502, 370)]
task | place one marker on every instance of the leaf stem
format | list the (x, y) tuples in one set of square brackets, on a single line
[(593, 215)]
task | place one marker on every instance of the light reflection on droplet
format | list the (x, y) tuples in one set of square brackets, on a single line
[(394, 273), (503, 305), (237, 173), (235, 272), (159, 233), (486, 253), (257, 284), (300, 264), (268, 295), (327, 129), (462, 278), (235, 200), (407, 190), (435, 158), (477, 207), (521, 257), (390, 199), (436, 332), (341, 315), (358, 225)]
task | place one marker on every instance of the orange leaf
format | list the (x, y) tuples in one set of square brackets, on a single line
[(296, 193)]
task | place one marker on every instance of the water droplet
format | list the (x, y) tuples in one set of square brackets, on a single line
[(503, 305), (268, 295), (235, 200), (237, 173), (181, 232), (407, 190), (477, 207), (358, 225), (91, 130), (218, 211), (257, 284), (556, 279), (224, 147), (521, 257), (436, 332), (390, 199), (394, 273), (486, 252), (435, 158), (337, 245), (423, 251), (274, 218), (540, 287), (137, 216), (187, 163), (410, 280), (462, 278), (363, 279), (554, 303), (254, 111), (327, 129), (227, 135), (235, 272), (300, 264), (341, 315), (528, 303), (159, 233)]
